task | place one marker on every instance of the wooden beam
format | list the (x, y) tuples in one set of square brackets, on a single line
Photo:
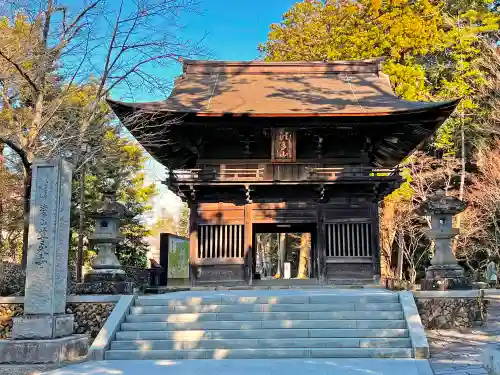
[(248, 243), (193, 241), (218, 262)]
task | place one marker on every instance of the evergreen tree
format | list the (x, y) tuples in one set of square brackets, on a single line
[(430, 54), (121, 160)]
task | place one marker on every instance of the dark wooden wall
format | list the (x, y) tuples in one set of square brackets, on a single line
[(346, 238)]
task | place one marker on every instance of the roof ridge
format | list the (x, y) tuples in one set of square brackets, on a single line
[(280, 67)]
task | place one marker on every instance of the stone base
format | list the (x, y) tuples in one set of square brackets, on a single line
[(29, 327), (43, 351), (445, 277), (99, 275), (445, 284), (104, 287), (452, 271), (491, 359)]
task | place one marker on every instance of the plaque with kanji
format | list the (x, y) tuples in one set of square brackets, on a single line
[(283, 146)]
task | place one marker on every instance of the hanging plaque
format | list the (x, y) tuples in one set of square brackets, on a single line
[(283, 146)]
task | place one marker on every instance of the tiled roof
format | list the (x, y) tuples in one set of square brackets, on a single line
[(257, 88)]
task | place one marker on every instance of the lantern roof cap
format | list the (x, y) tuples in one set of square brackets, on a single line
[(110, 207), (441, 204)]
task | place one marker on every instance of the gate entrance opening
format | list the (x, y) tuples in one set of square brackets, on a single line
[(284, 251)]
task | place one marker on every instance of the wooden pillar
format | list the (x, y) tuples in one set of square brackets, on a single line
[(321, 243), (248, 244), (193, 241), (375, 238)]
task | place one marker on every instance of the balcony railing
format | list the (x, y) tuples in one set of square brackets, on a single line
[(258, 174), (332, 174), (210, 174)]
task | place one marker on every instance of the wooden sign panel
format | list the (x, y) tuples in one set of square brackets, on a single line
[(283, 146)]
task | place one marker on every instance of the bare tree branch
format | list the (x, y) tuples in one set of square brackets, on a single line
[(21, 71), (18, 150)]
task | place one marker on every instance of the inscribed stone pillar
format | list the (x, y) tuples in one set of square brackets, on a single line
[(48, 243)]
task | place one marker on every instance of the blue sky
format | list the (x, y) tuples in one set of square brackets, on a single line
[(233, 31)]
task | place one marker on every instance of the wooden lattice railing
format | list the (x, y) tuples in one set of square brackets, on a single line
[(257, 174)]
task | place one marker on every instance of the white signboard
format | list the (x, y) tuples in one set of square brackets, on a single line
[(287, 273)]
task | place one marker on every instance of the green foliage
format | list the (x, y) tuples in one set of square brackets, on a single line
[(11, 212), (430, 54), (123, 161), (405, 191), (168, 223), (184, 221)]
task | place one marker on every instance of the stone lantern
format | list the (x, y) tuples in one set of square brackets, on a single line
[(444, 272), (106, 275)]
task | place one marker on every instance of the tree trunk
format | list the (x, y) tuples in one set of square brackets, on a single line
[(267, 254), (1, 200), (461, 191), (281, 255), (258, 254), (387, 237), (26, 215), (81, 222), (399, 269), (305, 248), (412, 275)]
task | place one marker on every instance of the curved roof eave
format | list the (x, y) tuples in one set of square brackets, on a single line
[(155, 107)]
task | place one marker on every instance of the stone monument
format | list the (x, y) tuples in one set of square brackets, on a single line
[(107, 276), (444, 272), (44, 333)]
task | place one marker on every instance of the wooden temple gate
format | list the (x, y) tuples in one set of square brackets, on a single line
[(312, 144)]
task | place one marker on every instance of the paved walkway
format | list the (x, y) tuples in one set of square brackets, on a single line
[(252, 367), (458, 352)]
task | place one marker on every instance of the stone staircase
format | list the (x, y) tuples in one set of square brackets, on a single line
[(264, 324)]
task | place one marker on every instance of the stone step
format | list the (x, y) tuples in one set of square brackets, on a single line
[(261, 334), (260, 353), (341, 298), (308, 307), (265, 324), (251, 316), (194, 343)]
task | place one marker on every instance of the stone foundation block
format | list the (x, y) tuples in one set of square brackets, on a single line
[(96, 276), (451, 309), (42, 326), (43, 351), (105, 287)]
